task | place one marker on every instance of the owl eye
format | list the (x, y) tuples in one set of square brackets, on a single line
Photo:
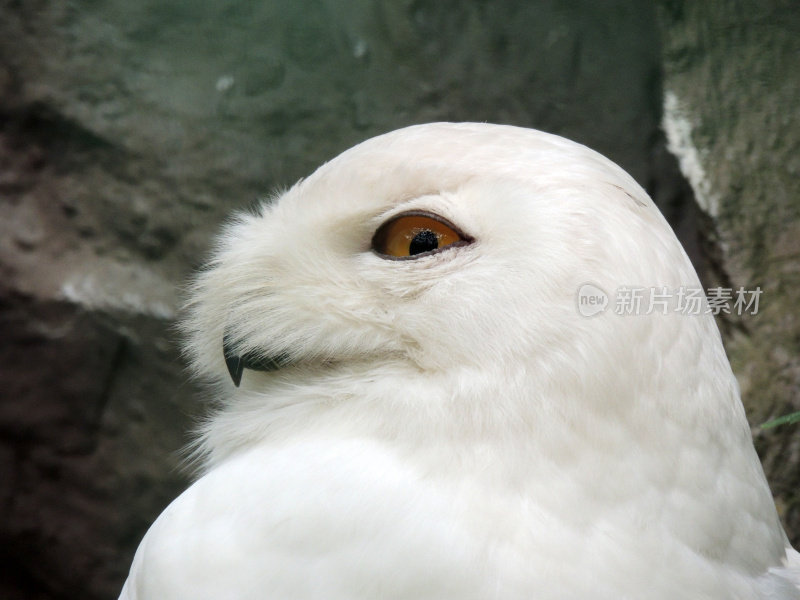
[(415, 234)]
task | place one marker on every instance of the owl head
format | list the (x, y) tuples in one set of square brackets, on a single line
[(435, 247)]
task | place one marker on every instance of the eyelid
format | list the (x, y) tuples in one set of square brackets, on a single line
[(385, 237)]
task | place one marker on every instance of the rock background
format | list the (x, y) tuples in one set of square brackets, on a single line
[(129, 130)]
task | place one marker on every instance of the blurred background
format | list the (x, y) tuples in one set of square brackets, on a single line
[(129, 130)]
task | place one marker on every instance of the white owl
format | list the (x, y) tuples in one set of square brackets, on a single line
[(420, 410)]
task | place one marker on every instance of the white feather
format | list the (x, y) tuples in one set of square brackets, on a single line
[(451, 426)]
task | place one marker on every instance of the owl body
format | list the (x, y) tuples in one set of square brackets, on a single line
[(414, 405)]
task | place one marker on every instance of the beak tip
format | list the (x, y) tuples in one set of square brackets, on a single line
[(234, 363), (235, 368)]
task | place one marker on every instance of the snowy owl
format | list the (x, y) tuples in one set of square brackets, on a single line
[(413, 404)]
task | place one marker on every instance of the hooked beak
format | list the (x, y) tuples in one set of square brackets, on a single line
[(237, 363)]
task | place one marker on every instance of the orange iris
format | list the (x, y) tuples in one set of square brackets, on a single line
[(412, 234)]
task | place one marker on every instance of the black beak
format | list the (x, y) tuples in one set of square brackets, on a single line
[(237, 363)]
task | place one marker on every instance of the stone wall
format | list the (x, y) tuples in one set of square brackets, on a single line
[(129, 130)]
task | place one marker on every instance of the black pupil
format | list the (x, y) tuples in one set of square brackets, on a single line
[(424, 241)]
